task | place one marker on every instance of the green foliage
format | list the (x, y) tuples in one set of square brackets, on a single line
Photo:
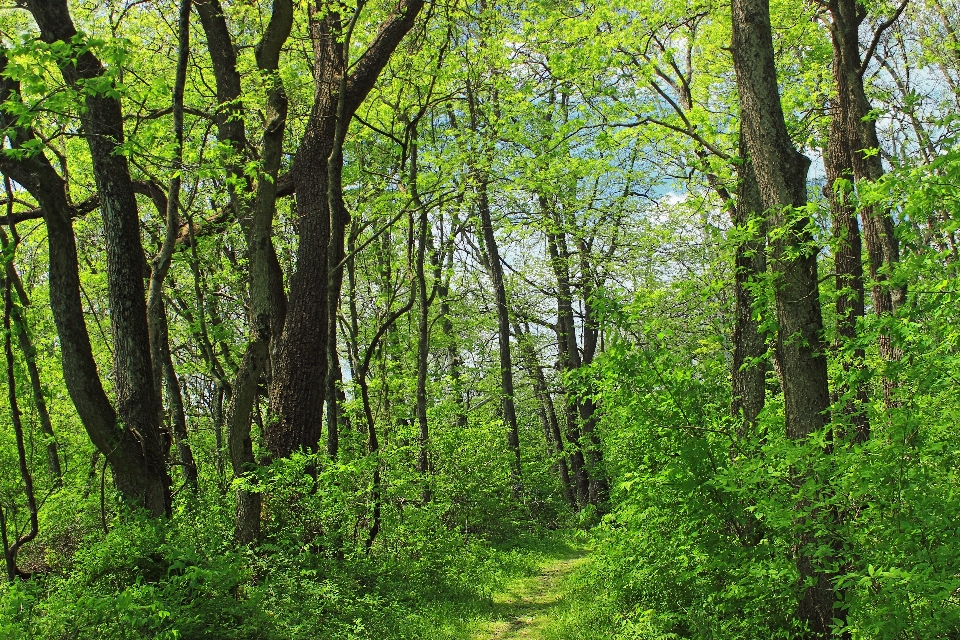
[(185, 579), (608, 132), (703, 538)]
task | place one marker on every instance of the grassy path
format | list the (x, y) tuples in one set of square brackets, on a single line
[(525, 609)]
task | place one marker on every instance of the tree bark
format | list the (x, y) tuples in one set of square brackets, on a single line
[(267, 305), (848, 258), (781, 177), (749, 370), (599, 487), (138, 476), (137, 400), (507, 391), (302, 358), (856, 129), (585, 458)]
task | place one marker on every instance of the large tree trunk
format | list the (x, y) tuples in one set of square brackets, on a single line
[(856, 130), (302, 359), (137, 406), (136, 452), (781, 177)]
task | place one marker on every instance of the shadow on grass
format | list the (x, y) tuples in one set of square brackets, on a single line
[(526, 607)]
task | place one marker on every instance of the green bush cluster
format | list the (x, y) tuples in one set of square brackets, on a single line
[(709, 517), (310, 577)]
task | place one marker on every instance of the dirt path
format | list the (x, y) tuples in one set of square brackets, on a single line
[(525, 609)]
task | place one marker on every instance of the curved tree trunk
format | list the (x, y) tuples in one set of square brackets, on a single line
[(137, 401), (302, 358), (139, 473)]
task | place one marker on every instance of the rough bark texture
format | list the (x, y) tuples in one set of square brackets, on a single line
[(139, 474), (137, 400), (749, 370), (848, 258), (302, 358), (854, 134), (781, 177)]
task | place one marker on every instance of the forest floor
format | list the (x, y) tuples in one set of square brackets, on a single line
[(526, 608)]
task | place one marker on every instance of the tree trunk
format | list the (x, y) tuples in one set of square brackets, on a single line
[(503, 332), (137, 406), (547, 411), (848, 259), (302, 359), (599, 487), (30, 354), (139, 474), (585, 458), (749, 371), (454, 363), (781, 177), (164, 375), (267, 310), (239, 441), (856, 129), (581, 479), (423, 325), (10, 551), (335, 400)]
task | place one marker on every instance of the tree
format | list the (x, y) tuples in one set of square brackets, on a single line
[(782, 182)]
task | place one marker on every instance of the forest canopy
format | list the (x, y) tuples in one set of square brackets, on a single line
[(330, 319)]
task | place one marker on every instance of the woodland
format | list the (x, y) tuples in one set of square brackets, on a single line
[(332, 318)]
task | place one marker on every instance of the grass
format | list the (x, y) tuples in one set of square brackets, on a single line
[(526, 603)]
